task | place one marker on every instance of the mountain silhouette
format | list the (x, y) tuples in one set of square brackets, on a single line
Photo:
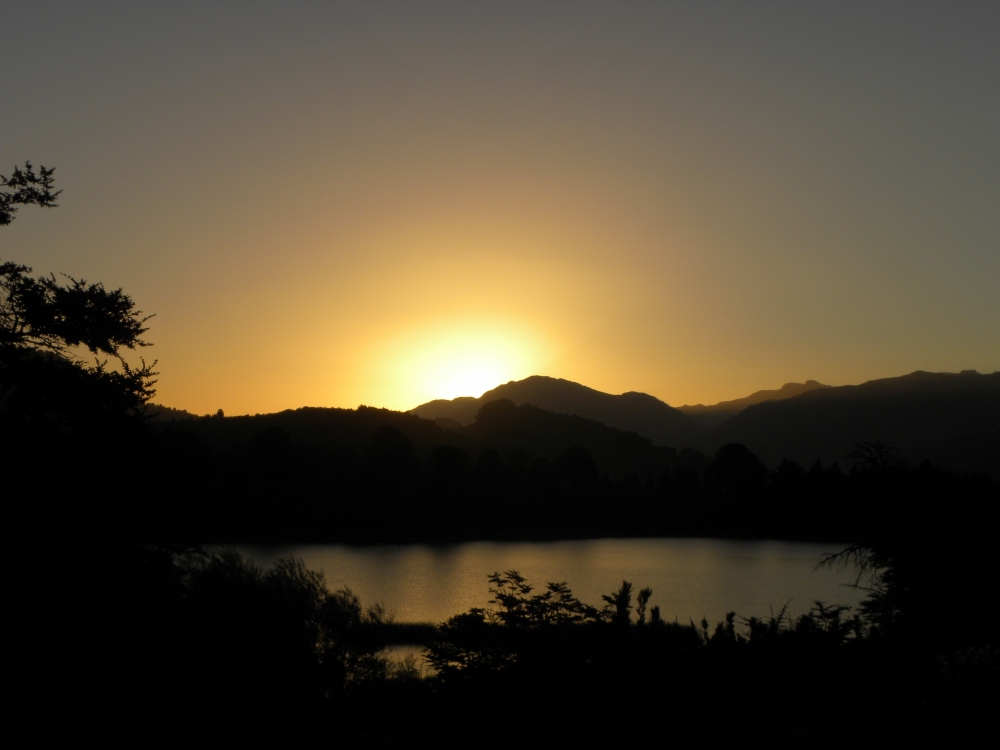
[(710, 416), (531, 432), (948, 418), (506, 428), (629, 412)]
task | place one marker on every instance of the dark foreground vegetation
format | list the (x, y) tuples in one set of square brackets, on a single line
[(125, 635), (207, 650)]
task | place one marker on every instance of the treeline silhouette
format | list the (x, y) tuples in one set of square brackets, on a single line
[(372, 475)]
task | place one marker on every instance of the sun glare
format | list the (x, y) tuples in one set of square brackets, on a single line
[(451, 360), (465, 373)]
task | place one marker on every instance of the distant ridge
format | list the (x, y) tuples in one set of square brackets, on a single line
[(951, 419), (630, 412), (948, 418), (710, 416)]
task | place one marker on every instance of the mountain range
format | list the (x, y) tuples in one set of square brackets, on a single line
[(952, 419), (710, 416), (949, 418), (629, 412)]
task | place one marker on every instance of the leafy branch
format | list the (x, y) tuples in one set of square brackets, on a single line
[(27, 188)]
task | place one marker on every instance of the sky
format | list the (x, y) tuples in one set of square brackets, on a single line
[(334, 204)]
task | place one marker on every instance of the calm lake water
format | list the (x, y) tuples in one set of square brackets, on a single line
[(690, 578)]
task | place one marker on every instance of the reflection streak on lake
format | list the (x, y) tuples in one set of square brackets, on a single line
[(690, 578)]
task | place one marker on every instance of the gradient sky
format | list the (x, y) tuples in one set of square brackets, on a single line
[(330, 204)]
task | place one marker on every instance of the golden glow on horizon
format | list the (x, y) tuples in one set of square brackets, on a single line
[(421, 203), (454, 358)]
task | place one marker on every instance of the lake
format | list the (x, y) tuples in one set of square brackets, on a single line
[(690, 578)]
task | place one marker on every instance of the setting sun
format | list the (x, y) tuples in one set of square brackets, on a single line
[(455, 358)]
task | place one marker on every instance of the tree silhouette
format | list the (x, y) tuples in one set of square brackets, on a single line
[(640, 609), (876, 456), (27, 188), (618, 609), (556, 606), (45, 324)]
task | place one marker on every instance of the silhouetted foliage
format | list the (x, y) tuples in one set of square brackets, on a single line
[(271, 656), (618, 606), (926, 547), (515, 608), (875, 456), (72, 430), (25, 188), (600, 666), (229, 652), (45, 322), (42, 324)]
